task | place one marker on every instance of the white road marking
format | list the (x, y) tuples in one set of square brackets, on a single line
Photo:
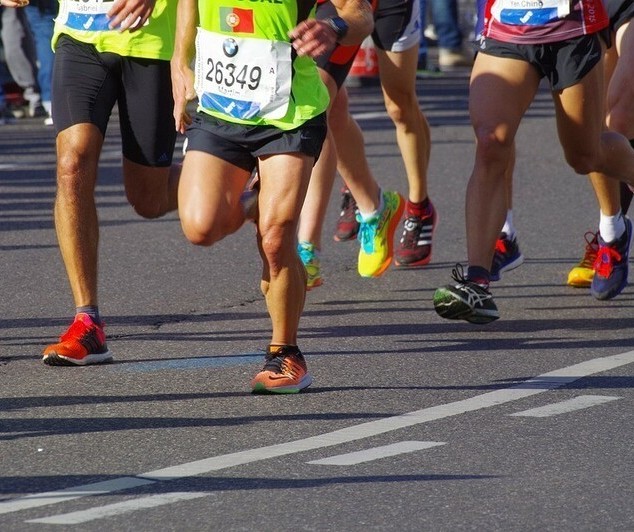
[(109, 510), (376, 453), (68, 494), (370, 115), (542, 383), (563, 407)]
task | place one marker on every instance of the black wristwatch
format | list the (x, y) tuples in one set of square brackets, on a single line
[(339, 26)]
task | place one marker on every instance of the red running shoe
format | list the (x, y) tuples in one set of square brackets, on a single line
[(82, 344)]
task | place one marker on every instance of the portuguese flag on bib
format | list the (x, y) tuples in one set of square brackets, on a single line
[(236, 20)]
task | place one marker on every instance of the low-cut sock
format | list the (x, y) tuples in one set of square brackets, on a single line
[(92, 311), (368, 216), (508, 228), (611, 228), (419, 209)]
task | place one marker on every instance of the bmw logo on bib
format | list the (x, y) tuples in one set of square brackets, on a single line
[(230, 47)]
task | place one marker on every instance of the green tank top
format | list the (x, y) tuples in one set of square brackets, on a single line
[(86, 21), (246, 69)]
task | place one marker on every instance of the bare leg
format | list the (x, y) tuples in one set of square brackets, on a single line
[(398, 81), (284, 181), (76, 224), (500, 92)]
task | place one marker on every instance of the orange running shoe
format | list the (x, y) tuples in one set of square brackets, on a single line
[(284, 371), (82, 344)]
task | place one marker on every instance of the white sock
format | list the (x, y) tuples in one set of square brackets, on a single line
[(611, 227), (365, 217), (508, 227)]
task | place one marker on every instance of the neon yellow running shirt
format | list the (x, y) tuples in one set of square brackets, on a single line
[(86, 21), (246, 69)]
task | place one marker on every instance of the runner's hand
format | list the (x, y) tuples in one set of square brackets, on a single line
[(313, 38), (183, 92), (130, 14), (14, 3)]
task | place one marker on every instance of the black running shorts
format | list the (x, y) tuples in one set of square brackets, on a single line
[(620, 12), (396, 29), (86, 85), (241, 145), (563, 63)]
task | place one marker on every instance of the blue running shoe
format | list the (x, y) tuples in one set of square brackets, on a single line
[(507, 256), (611, 265), (309, 256)]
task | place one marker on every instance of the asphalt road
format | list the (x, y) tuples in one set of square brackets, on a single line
[(412, 423)]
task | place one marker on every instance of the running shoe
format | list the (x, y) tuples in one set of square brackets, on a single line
[(82, 344), (284, 371), (465, 300), (414, 248), (611, 265), (309, 255), (581, 275), (376, 236), (507, 256), (347, 224)]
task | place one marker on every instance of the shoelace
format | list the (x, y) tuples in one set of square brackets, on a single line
[(366, 233), (77, 330), (457, 273), (307, 255), (604, 263), (592, 248), (281, 363)]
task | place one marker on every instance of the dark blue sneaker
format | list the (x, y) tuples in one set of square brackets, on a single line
[(611, 265), (507, 256)]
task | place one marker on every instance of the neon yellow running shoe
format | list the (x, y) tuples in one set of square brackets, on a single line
[(582, 274), (309, 255), (376, 236)]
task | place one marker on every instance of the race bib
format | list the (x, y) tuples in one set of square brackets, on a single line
[(85, 15), (243, 77), (530, 12)]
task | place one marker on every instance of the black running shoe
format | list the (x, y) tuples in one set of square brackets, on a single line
[(465, 300)]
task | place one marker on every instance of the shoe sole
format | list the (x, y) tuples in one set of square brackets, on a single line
[(261, 388), (344, 239), (55, 359), (315, 284), (394, 221), (510, 266)]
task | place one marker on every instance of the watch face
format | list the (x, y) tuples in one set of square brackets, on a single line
[(340, 26)]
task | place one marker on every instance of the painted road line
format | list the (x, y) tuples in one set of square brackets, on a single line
[(77, 492), (190, 363), (570, 405), (370, 115), (540, 384), (110, 510), (368, 455)]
